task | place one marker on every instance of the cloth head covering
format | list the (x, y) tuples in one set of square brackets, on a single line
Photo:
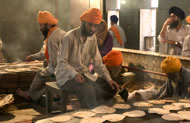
[(114, 18), (113, 58), (101, 36), (45, 17), (177, 11), (188, 19), (92, 15), (170, 65)]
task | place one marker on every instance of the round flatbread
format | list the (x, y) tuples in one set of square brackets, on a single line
[(184, 112), (186, 105), (185, 100), (92, 120), (172, 117), (104, 109), (135, 113), (158, 111), (142, 104), (113, 117), (168, 100), (171, 107), (122, 106), (83, 114), (61, 118), (156, 101)]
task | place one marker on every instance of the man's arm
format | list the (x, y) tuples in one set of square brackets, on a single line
[(37, 56)]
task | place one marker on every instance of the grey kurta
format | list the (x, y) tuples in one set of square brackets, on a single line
[(75, 56), (37, 87), (181, 89)]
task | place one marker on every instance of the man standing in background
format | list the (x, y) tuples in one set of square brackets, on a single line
[(117, 33), (173, 32), (53, 36)]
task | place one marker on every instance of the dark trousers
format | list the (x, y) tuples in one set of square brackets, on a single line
[(90, 94)]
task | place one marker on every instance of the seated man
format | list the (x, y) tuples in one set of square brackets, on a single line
[(77, 51), (113, 61), (178, 84), (53, 36)]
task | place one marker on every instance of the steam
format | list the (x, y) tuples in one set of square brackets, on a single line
[(19, 29)]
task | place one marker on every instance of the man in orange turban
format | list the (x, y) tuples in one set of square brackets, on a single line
[(117, 33), (78, 51), (53, 36), (113, 61), (178, 84)]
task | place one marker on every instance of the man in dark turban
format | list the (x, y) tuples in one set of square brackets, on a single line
[(173, 32)]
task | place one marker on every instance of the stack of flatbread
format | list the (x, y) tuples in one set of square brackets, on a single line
[(104, 109), (135, 113), (142, 104), (121, 106), (6, 99), (84, 114)]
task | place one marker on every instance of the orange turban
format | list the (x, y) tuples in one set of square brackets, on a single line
[(188, 19), (113, 58), (91, 16), (45, 17), (170, 65)]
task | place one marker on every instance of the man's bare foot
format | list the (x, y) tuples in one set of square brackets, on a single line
[(23, 94)]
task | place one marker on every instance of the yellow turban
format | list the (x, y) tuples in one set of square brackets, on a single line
[(170, 65), (91, 16), (113, 58), (45, 17), (188, 19)]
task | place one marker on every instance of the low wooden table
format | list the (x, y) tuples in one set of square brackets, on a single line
[(52, 88)]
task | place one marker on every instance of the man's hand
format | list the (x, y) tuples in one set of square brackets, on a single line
[(178, 44), (79, 78), (113, 85), (168, 21)]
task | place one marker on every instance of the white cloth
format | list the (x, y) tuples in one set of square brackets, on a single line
[(122, 35), (75, 55), (172, 34), (186, 47)]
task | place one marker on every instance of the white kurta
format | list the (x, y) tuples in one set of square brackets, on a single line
[(186, 47), (172, 34), (75, 55)]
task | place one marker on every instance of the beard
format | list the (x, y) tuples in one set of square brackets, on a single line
[(85, 31), (174, 24), (45, 31)]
